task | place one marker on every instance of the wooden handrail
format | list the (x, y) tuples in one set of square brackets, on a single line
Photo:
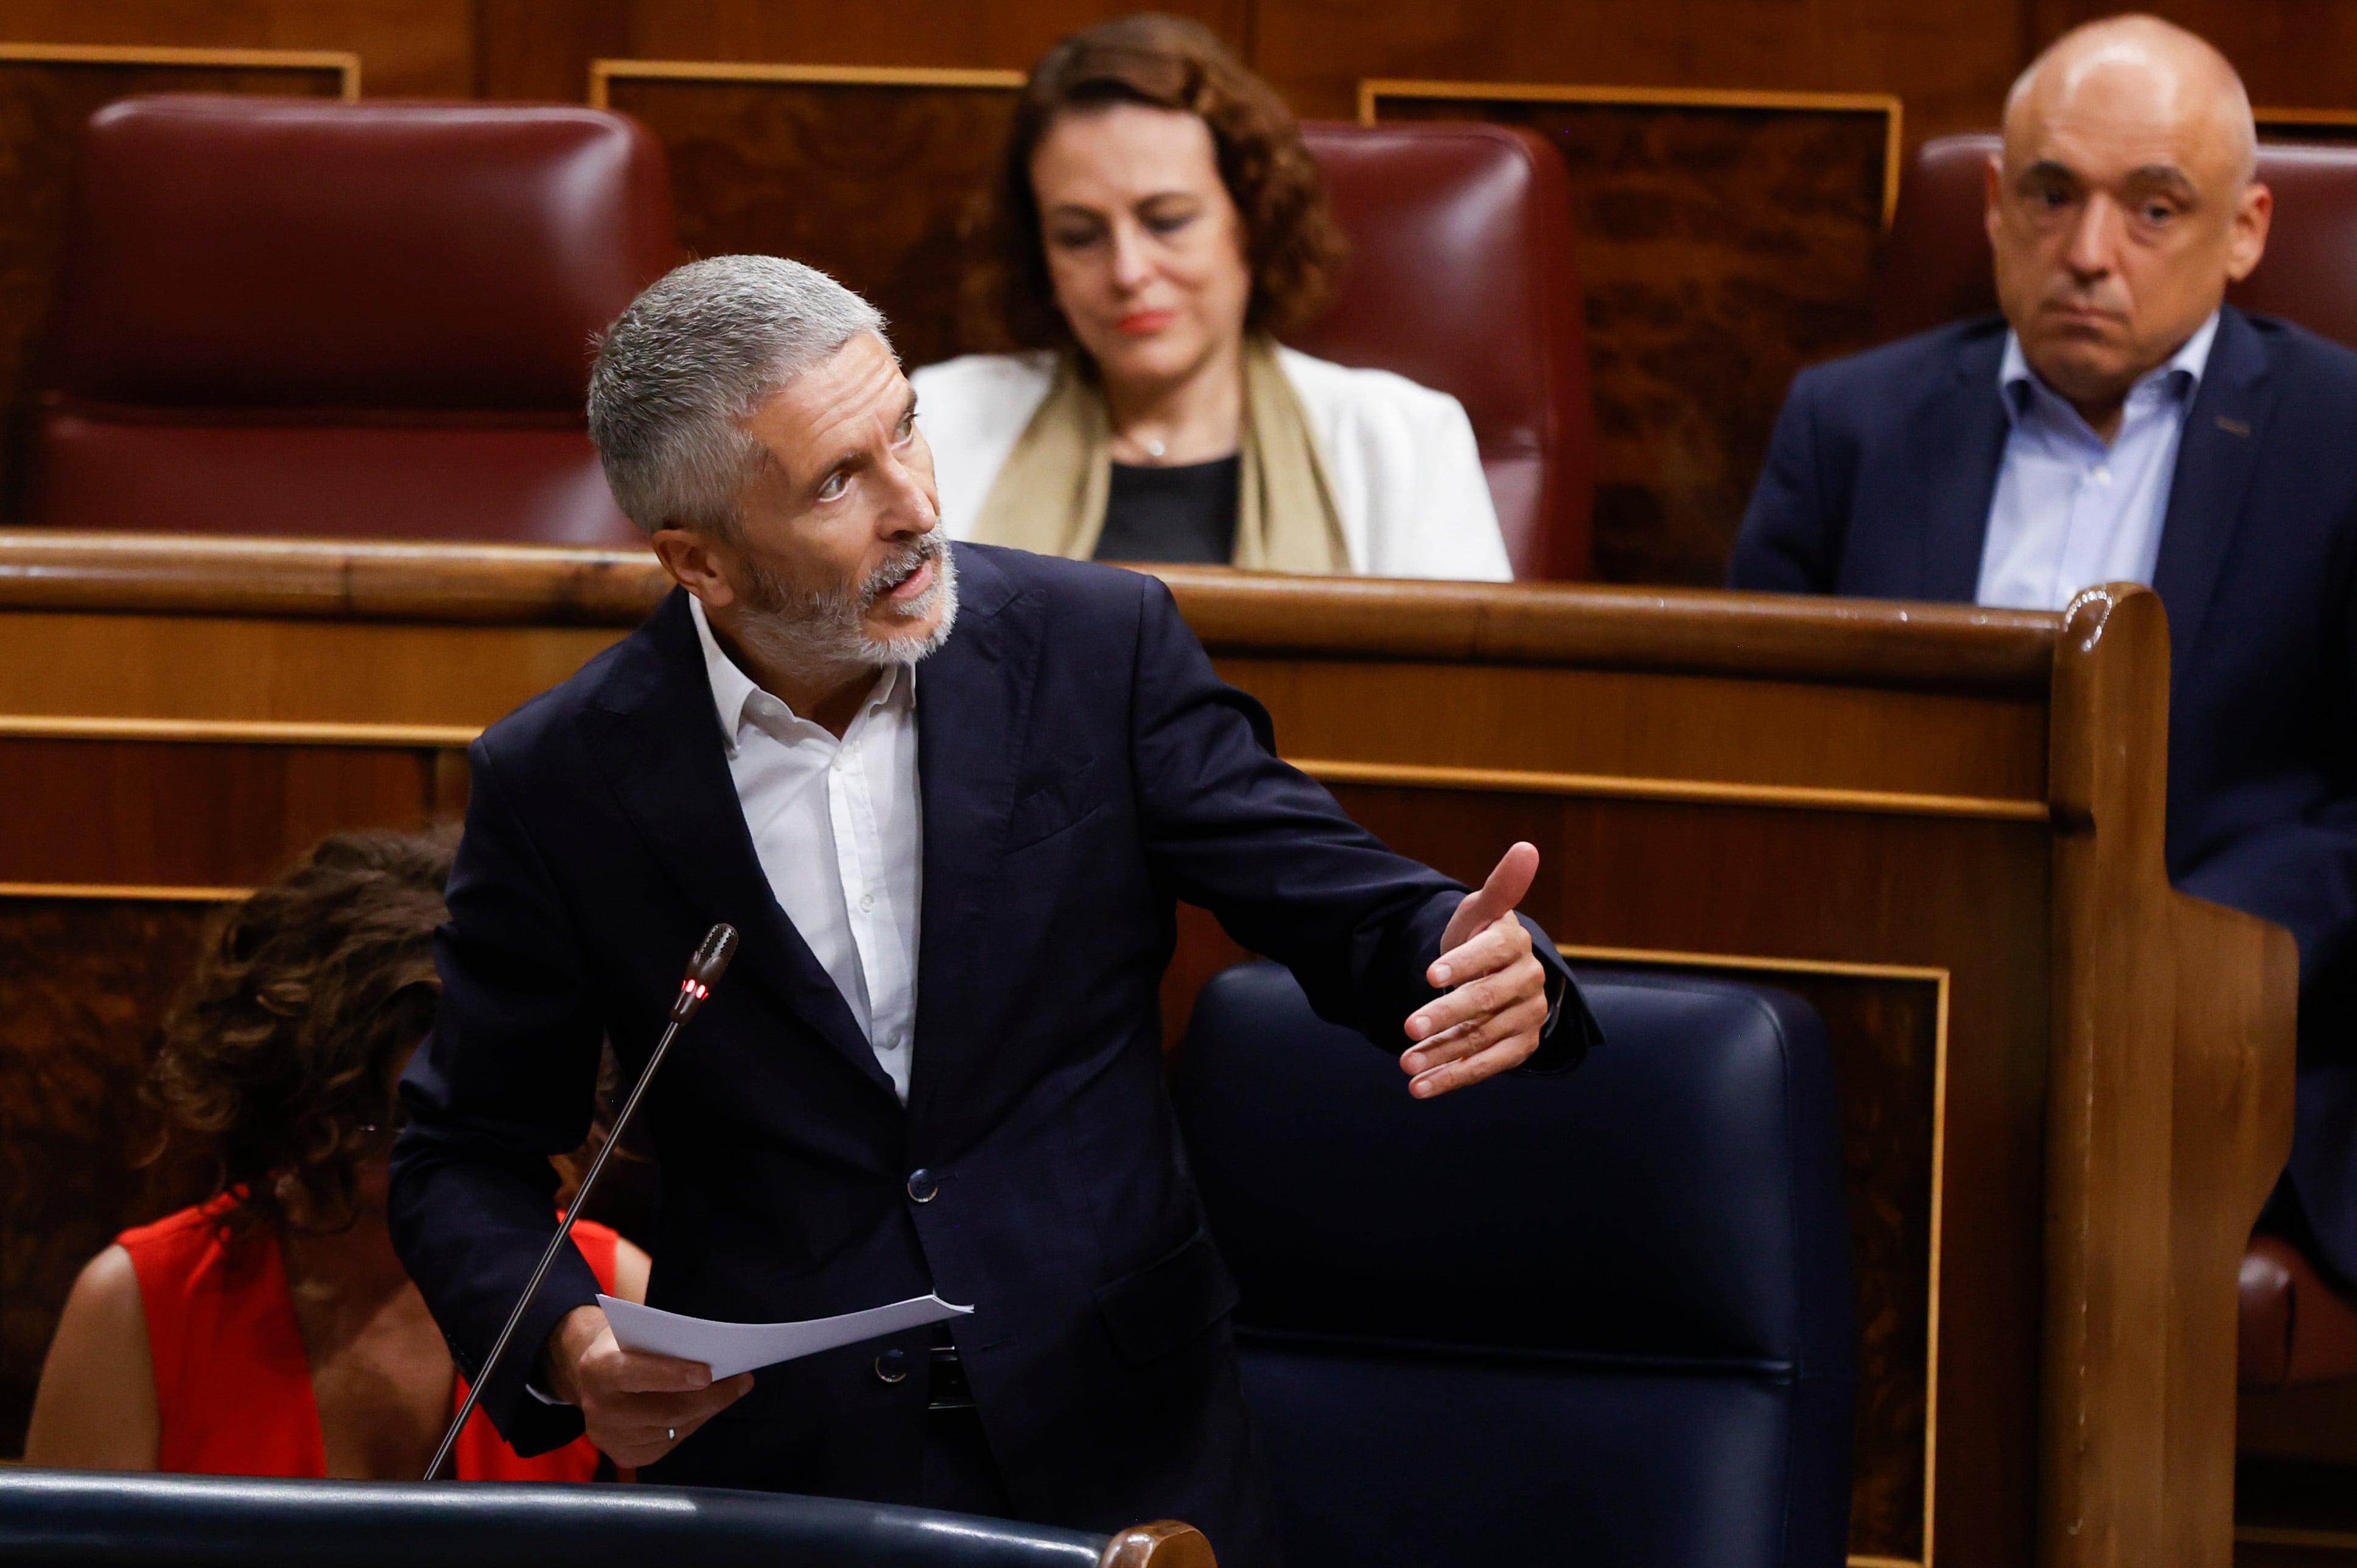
[(1759, 635)]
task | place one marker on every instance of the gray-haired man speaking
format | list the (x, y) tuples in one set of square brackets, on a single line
[(949, 797)]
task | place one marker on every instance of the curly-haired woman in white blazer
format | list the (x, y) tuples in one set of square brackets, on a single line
[(1158, 219)]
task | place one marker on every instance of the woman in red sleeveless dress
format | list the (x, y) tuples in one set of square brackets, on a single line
[(270, 1331)]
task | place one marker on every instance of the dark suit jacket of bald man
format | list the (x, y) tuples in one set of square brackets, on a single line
[(1878, 482), (1080, 767)]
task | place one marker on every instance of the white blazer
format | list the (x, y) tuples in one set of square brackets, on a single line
[(1400, 457)]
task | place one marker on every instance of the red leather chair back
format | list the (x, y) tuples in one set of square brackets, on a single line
[(282, 316), (1462, 278), (1936, 264)]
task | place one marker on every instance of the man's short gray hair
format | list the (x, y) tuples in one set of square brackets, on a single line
[(690, 359)]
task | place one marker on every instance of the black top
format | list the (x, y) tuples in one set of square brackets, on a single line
[(1182, 513)]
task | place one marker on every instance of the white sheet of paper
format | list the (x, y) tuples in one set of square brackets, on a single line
[(729, 1349)]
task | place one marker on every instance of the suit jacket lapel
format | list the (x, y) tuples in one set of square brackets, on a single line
[(1961, 430), (2216, 457), (652, 731), (973, 702)]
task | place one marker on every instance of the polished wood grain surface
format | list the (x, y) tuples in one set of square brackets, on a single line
[(1866, 643), (1721, 247), (873, 181), (2168, 1119), (2048, 1249), (1166, 1543)]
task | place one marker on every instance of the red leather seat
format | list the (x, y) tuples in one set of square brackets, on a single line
[(2294, 1329), (1936, 264), (1462, 278), (283, 316)]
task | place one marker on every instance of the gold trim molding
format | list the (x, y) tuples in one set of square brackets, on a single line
[(2311, 1539), (1940, 978), (1374, 89), (343, 61), (455, 738), (2272, 118), (264, 732), (169, 893), (603, 72), (1610, 785)]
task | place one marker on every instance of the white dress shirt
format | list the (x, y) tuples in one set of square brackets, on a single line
[(2072, 511), (839, 828)]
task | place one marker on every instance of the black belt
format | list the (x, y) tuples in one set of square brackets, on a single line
[(948, 1389)]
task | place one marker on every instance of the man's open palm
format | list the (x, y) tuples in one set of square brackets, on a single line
[(1494, 1000)]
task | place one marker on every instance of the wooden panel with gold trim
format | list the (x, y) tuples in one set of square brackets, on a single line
[(2306, 124), (48, 92), (1633, 732), (1725, 240), (204, 814), (870, 173), (1790, 797)]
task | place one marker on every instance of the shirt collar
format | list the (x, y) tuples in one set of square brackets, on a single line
[(2017, 384), (732, 688)]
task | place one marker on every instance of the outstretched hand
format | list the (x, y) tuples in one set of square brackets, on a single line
[(1495, 989)]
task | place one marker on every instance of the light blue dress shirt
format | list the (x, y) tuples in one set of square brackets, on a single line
[(2071, 511)]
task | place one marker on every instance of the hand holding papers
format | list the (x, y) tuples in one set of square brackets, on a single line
[(732, 1348)]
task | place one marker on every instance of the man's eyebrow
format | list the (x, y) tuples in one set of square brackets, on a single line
[(2161, 174), (910, 411), (2051, 168)]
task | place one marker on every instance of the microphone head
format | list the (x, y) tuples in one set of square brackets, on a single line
[(704, 971), (711, 959)]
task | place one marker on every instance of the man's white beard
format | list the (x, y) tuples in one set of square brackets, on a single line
[(819, 631)]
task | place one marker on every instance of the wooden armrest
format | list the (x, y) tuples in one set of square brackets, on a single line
[(1165, 1543)]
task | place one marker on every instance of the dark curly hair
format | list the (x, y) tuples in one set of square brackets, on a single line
[(278, 1052), (1291, 243)]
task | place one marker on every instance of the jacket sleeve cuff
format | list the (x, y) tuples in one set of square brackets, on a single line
[(1570, 1029), (531, 1421)]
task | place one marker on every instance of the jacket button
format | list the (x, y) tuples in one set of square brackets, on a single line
[(922, 1186), (892, 1366)]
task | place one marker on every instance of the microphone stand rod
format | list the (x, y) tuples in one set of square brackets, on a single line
[(692, 994)]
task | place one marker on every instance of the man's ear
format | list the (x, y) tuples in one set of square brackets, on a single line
[(697, 563), (2248, 243)]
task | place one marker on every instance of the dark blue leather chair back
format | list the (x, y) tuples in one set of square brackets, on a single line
[(74, 1517), (1605, 1319)]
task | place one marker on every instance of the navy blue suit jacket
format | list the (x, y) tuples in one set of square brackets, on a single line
[(1879, 481), (1081, 768)]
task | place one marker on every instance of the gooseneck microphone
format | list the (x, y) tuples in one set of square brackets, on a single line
[(703, 972)]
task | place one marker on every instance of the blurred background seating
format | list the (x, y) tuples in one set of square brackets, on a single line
[(375, 320), (1462, 278)]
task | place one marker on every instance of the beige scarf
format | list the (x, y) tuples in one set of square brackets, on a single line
[(1049, 497)]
